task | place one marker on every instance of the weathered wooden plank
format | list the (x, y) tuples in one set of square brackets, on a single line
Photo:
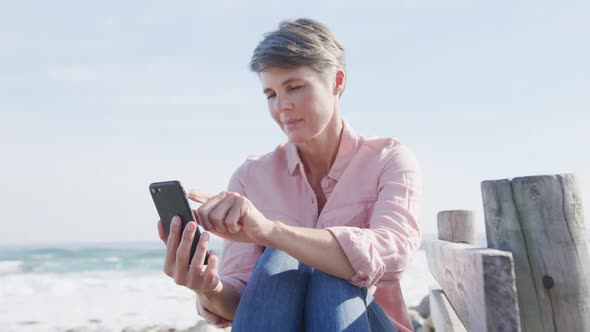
[(540, 220), (442, 313), (457, 226), (478, 282), (503, 232)]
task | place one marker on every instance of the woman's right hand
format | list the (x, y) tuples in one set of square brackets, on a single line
[(198, 277)]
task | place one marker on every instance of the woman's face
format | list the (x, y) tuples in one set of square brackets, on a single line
[(300, 100)]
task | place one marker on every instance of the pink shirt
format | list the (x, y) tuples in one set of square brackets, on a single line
[(373, 195)]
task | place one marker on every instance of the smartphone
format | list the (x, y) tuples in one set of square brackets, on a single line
[(170, 200)]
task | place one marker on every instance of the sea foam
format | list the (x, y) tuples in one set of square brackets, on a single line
[(10, 266)]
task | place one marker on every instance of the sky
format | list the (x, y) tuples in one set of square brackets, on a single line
[(99, 99)]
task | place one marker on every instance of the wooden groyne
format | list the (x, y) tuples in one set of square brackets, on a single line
[(534, 274)]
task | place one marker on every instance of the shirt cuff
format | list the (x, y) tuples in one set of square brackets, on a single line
[(210, 317), (234, 282), (364, 258)]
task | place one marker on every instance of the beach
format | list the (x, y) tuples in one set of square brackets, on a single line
[(113, 287)]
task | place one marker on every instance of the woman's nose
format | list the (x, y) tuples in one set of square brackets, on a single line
[(283, 103)]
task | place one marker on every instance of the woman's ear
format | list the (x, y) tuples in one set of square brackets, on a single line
[(340, 81)]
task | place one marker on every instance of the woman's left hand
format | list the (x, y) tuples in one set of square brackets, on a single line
[(231, 216)]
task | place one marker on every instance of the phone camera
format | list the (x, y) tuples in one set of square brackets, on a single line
[(153, 191)]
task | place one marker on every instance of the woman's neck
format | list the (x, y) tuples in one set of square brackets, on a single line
[(319, 154)]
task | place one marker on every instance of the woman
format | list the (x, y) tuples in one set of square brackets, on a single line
[(317, 232)]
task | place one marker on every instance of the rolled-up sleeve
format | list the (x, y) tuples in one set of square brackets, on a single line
[(237, 261), (380, 253)]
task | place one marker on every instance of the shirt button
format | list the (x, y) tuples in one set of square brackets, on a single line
[(325, 183)]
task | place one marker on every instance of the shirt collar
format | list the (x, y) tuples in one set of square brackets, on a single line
[(348, 145)]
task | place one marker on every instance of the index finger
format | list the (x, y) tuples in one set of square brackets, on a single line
[(197, 195), (201, 252)]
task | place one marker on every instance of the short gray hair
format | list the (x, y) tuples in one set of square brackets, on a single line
[(300, 42)]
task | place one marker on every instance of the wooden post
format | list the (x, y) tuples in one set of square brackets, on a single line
[(539, 219), (453, 226), (442, 313), (477, 282), (457, 226)]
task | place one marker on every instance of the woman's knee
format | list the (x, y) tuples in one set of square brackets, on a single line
[(275, 293), (334, 304), (274, 261), (277, 273), (332, 288)]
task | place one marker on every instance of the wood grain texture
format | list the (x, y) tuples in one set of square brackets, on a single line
[(443, 315), (478, 282), (540, 220), (503, 232), (457, 226)]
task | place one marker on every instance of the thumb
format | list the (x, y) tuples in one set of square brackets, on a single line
[(198, 196)]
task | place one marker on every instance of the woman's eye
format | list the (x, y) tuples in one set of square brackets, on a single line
[(291, 88)]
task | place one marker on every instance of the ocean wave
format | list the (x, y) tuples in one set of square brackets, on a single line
[(41, 260), (41, 267), (112, 259), (7, 267)]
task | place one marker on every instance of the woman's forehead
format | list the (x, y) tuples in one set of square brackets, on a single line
[(281, 75)]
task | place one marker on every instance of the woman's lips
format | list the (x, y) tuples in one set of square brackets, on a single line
[(292, 123)]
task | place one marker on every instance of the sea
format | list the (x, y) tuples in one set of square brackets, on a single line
[(113, 286), (95, 287), (106, 287)]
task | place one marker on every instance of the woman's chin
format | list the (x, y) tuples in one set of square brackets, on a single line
[(295, 138)]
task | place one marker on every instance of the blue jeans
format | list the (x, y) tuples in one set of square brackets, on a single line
[(286, 295)]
